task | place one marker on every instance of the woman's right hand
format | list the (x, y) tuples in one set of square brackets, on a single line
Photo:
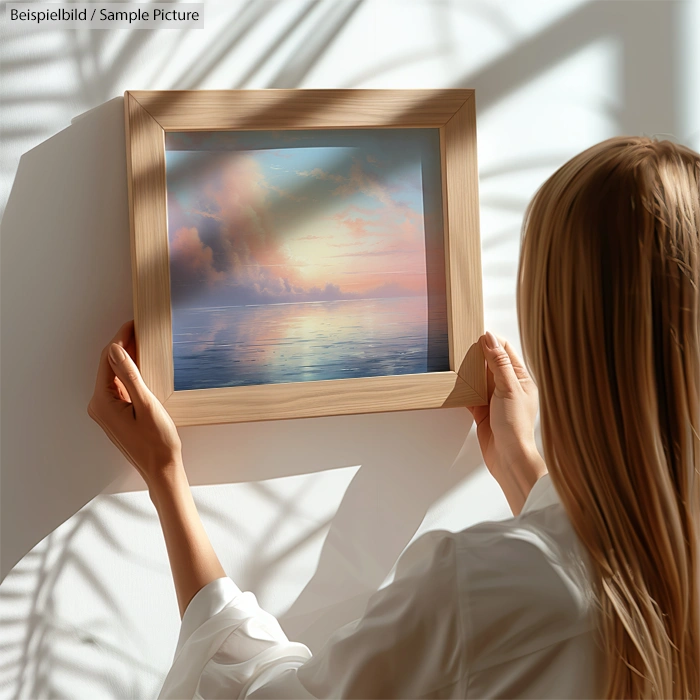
[(506, 426)]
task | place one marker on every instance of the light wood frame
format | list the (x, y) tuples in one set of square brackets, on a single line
[(149, 114)]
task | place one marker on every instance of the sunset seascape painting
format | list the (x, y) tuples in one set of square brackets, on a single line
[(305, 255)]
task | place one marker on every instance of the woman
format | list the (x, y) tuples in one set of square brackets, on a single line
[(592, 588)]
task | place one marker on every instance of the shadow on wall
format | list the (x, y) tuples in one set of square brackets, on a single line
[(65, 283)]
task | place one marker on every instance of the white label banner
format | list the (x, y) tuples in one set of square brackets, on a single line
[(157, 15)]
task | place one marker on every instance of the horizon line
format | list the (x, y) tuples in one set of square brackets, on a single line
[(287, 303)]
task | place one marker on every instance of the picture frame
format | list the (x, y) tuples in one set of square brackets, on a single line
[(150, 115)]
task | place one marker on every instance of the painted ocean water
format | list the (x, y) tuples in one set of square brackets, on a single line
[(307, 341)]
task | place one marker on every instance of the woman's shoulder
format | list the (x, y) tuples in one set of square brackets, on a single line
[(541, 536), (531, 557), (531, 567), (535, 548), (541, 541)]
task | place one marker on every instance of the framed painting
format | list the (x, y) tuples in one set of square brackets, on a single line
[(302, 253)]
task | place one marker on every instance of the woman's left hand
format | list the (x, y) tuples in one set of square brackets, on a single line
[(131, 416), (505, 427)]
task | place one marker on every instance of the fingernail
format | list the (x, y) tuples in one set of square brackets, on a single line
[(491, 341), (116, 354)]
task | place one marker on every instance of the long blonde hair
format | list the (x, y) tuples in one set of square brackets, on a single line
[(609, 315)]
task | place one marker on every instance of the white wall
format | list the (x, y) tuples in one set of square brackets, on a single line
[(309, 514)]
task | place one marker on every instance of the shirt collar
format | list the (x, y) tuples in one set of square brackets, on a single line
[(541, 495)]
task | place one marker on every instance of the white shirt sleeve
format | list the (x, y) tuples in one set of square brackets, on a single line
[(409, 642)]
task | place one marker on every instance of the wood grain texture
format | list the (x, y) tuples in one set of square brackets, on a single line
[(463, 249), (320, 398), (150, 266), (149, 114), (205, 110)]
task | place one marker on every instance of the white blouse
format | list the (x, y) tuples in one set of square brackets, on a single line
[(500, 610)]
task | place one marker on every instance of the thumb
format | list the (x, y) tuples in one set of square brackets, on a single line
[(499, 362), (127, 371)]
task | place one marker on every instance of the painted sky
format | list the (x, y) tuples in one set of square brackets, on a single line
[(293, 216)]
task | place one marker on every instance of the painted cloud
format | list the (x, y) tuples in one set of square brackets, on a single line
[(272, 217)]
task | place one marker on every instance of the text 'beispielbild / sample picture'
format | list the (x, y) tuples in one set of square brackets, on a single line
[(305, 255)]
